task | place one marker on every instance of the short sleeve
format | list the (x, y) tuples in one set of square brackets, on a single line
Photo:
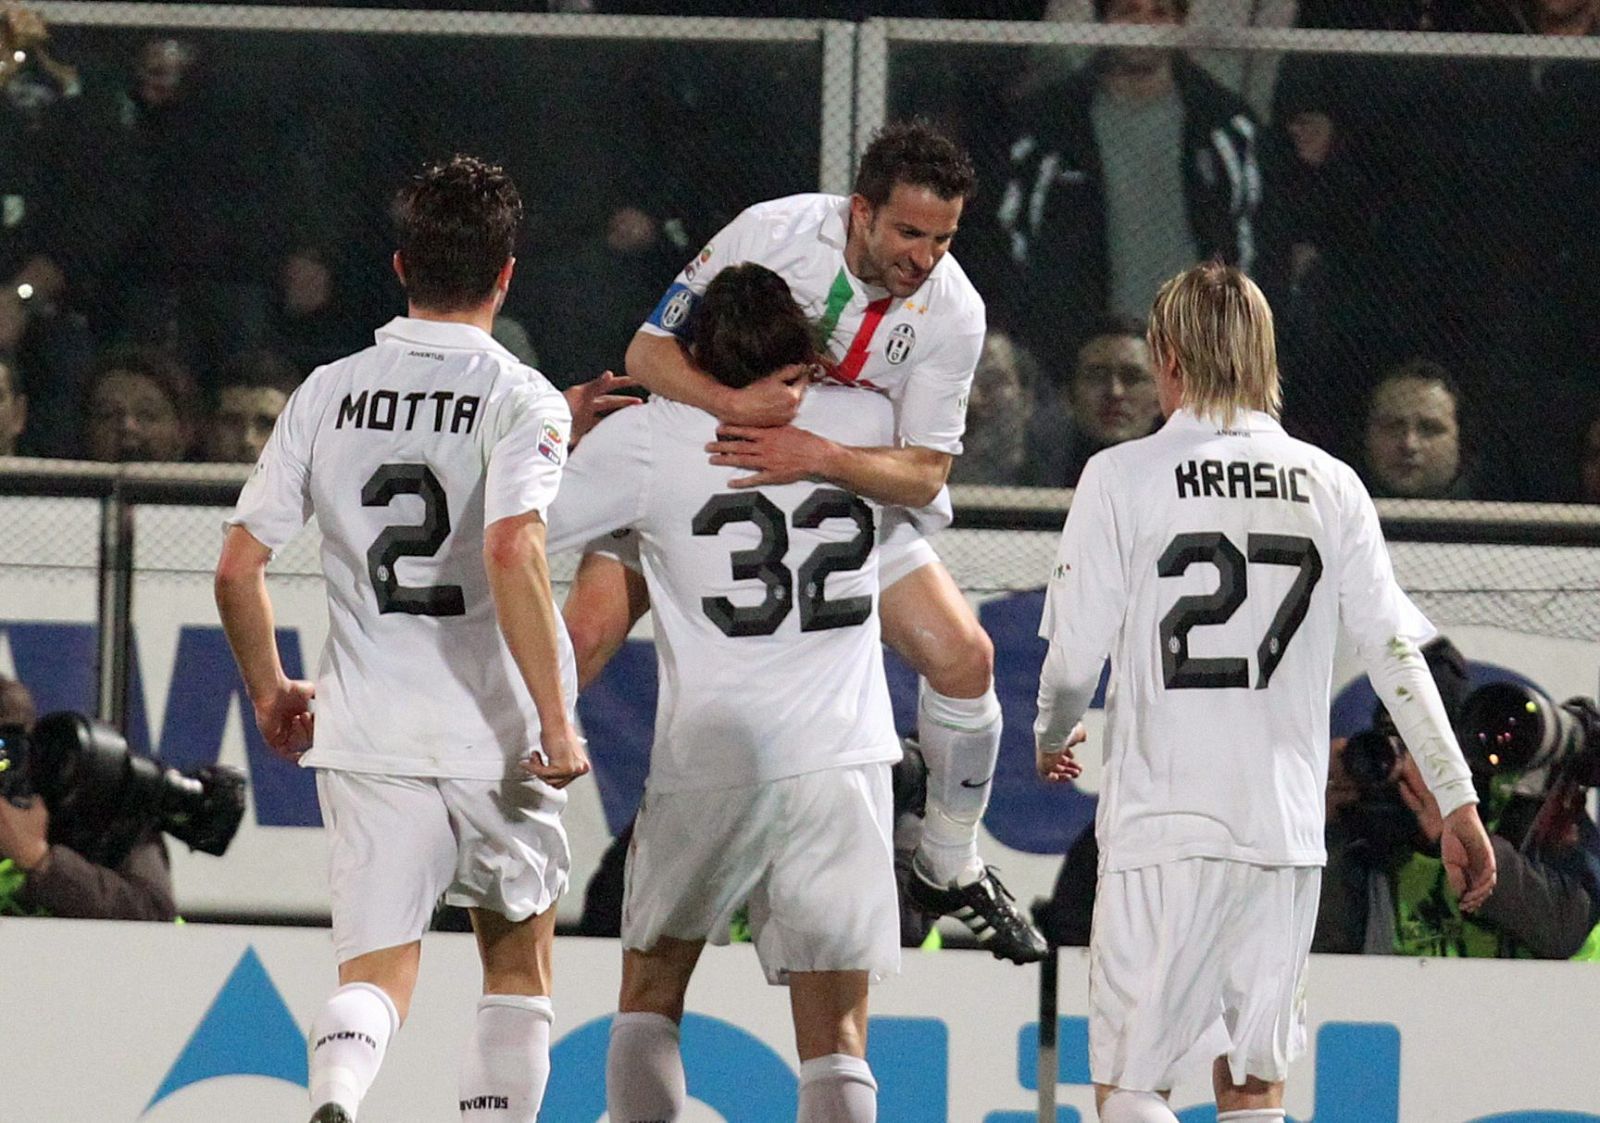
[(1087, 596), (931, 410), (527, 456), (275, 501), (674, 313), (1372, 606), (606, 484)]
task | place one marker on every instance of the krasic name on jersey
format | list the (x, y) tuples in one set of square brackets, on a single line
[(1240, 479), (381, 409)]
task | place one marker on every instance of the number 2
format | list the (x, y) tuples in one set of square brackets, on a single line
[(1180, 670), (396, 542)]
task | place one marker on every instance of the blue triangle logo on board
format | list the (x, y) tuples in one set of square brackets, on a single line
[(248, 1031)]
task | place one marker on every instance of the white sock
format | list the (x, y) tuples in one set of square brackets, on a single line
[(1259, 1114), (347, 1043), (508, 1059), (1123, 1106), (644, 1070), (837, 1088), (960, 740)]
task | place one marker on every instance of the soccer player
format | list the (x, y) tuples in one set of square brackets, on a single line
[(443, 730), (1215, 561), (896, 314), (769, 780)]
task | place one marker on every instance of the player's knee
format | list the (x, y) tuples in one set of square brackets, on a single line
[(966, 666)]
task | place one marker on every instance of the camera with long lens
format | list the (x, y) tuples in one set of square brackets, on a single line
[(1509, 730), (104, 799)]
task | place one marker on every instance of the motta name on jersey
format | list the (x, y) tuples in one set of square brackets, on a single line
[(1241, 479), (390, 409)]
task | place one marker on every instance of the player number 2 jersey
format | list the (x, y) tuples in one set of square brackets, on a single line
[(1216, 566), (405, 452)]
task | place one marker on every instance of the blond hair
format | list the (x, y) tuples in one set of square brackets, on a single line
[(1215, 324)]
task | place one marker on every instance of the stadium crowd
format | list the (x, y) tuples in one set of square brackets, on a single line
[(188, 219)]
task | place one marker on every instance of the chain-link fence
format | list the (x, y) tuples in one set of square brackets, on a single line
[(215, 178)]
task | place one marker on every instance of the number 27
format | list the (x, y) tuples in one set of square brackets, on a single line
[(1180, 670)]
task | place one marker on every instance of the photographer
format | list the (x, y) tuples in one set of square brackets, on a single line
[(41, 877), (1385, 890)]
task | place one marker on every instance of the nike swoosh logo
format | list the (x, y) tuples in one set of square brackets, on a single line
[(978, 783)]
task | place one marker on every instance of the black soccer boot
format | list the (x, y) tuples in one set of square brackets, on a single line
[(332, 1113), (986, 907)]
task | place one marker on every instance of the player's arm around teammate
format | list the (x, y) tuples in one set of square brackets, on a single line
[(900, 317)]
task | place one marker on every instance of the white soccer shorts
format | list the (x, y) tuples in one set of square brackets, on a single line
[(811, 855), (902, 548), (1197, 959), (397, 844)]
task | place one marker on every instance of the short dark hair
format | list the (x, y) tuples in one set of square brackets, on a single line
[(1420, 369), (918, 155), (260, 367), (1113, 323), (748, 325), (170, 376), (456, 226)]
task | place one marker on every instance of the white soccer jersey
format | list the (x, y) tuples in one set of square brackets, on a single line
[(405, 452), (765, 599), (920, 351), (1215, 566)]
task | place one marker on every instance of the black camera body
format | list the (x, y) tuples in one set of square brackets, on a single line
[(104, 799)]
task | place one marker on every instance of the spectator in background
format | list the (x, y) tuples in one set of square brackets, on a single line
[(993, 448), (41, 878), (1413, 445), (254, 388), (63, 220), (141, 406), (221, 250), (13, 406), (1110, 399), (1128, 172)]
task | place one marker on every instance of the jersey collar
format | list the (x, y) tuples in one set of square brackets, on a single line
[(1250, 421), (835, 229), (438, 334)]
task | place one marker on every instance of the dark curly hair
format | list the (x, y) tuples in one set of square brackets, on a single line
[(748, 325), (456, 225), (918, 155)]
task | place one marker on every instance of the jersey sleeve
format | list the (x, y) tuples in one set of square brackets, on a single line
[(931, 410), (527, 456), (606, 483), (1372, 607), (673, 314), (275, 501), (1087, 596)]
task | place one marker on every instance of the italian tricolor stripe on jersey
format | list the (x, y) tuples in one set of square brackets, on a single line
[(839, 295)]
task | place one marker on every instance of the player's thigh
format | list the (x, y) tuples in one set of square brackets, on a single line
[(512, 855), (605, 600), (928, 621), (1156, 966), (829, 902), (516, 954), (693, 861), (391, 853)]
